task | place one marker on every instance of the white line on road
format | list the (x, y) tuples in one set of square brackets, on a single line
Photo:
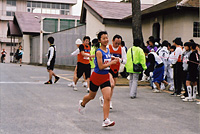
[(11, 82)]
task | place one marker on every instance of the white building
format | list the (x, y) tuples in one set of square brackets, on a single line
[(9, 7)]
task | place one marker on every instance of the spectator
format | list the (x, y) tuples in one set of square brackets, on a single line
[(134, 55), (178, 68)]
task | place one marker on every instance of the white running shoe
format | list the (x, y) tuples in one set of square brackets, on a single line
[(198, 103), (70, 84), (111, 107), (187, 99), (183, 97), (85, 84), (81, 109), (108, 123), (101, 101), (88, 90), (156, 91), (75, 88)]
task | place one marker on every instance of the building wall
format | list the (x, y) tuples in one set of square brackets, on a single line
[(26, 48), (124, 31), (179, 24), (93, 25)]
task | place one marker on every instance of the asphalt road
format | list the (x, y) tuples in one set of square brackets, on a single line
[(27, 106)]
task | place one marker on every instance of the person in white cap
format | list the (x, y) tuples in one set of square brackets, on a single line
[(78, 42)]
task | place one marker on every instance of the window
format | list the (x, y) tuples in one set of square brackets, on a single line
[(10, 13), (196, 29), (11, 2), (49, 8), (10, 44)]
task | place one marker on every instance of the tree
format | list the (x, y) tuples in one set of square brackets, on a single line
[(137, 21)]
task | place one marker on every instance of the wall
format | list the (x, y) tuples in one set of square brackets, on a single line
[(65, 45), (124, 31), (93, 25), (26, 48)]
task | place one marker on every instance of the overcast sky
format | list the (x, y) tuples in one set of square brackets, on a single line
[(76, 9)]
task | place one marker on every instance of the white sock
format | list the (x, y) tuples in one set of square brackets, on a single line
[(194, 92), (189, 88), (73, 84)]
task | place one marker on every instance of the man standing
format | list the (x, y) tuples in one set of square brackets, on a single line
[(178, 67), (51, 61), (135, 55)]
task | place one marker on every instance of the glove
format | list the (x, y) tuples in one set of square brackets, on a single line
[(151, 74), (48, 63)]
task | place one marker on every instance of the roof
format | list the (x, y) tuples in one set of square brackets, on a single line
[(13, 29), (108, 10), (168, 4), (29, 23)]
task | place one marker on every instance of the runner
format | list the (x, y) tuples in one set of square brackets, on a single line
[(51, 61), (101, 71), (116, 51), (3, 55), (75, 53), (19, 54), (83, 64)]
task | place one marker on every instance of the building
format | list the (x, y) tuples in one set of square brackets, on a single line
[(8, 8), (166, 20)]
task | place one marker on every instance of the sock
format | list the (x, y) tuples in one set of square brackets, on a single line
[(189, 88), (73, 84), (194, 92)]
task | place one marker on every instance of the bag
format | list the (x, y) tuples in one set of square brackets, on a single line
[(136, 67)]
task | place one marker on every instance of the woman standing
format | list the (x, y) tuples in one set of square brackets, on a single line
[(101, 71)]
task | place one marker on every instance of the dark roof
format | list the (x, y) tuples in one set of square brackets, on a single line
[(108, 10), (29, 23), (13, 29), (168, 5)]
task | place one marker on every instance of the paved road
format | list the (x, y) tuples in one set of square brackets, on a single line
[(30, 107)]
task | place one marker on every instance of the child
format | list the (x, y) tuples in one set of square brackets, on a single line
[(51, 61), (157, 66), (101, 71)]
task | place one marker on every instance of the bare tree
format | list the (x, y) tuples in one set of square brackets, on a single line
[(136, 21)]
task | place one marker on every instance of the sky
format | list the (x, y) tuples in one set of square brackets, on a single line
[(76, 9)]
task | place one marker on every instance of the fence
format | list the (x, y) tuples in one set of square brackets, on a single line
[(65, 44)]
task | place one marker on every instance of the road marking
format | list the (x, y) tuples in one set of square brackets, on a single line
[(37, 77), (65, 78), (66, 74), (11, 82)]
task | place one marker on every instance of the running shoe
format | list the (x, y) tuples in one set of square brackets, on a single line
[(101, 101), (156, 91), (85, 84), (81, 109), (88, 90), (168, 87), (70, 84), (108, 123), (183, 97), (111, 107), (75, 88), (198, 103), (56, 79), (48, 82), (187, 99)]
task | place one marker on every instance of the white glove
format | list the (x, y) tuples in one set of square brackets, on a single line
[(48, 63), (46, 55), (151, 74)]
